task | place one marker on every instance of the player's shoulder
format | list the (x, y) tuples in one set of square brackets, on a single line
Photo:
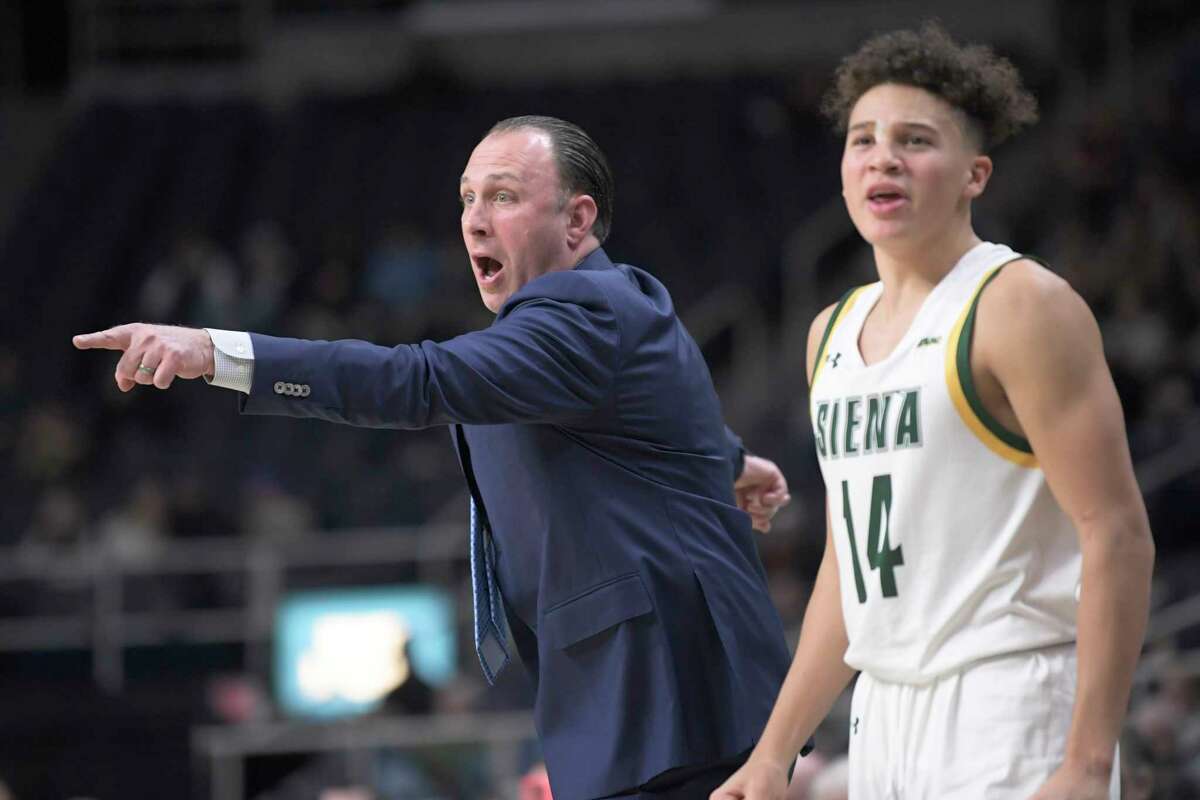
[(1027, 280), (1027, 294), (831, 314), (1030, 321), (820, 322), (816, 332)]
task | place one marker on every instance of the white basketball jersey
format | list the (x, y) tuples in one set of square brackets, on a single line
[(949, 544)]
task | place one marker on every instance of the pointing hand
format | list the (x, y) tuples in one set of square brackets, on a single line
[(153, 354)]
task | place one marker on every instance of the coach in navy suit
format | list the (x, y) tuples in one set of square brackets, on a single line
[(591, 438)]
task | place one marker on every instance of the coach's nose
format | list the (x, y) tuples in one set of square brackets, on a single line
[(476, 221)]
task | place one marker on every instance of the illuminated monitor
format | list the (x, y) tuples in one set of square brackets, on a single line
[(339, 652)]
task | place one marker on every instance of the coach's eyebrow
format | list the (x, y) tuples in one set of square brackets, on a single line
[(497, 176)]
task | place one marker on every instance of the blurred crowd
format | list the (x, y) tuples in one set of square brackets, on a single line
[(350, 231)]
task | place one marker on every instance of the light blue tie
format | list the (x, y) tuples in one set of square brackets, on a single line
[(491, 628)]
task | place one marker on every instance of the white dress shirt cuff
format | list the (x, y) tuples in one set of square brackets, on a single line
[(233, 360)]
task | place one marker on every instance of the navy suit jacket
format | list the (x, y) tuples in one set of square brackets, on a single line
[(595, 448)]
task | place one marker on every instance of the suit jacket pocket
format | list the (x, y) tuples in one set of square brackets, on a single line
[(595, 610)]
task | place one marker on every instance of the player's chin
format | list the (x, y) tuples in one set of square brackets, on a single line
[(883, 232)]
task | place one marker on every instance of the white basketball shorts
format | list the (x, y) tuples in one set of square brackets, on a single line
[(994, 731)]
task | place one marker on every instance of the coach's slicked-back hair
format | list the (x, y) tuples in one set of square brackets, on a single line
[(582, 167), (972, 78)]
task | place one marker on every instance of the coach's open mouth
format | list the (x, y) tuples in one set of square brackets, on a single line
[(487, 268)]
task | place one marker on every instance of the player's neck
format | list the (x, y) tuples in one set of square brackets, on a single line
[(910, 271)]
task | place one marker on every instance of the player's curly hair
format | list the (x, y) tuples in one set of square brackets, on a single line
[(972, 78)]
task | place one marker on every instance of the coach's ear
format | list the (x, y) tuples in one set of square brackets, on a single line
[(581, 214), (978, 177)]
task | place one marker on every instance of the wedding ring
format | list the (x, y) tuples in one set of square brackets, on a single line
[(144, 368)]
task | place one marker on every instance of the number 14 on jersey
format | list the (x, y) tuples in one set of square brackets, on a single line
[(880, 553)]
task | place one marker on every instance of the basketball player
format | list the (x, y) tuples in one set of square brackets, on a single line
[(988, 557)]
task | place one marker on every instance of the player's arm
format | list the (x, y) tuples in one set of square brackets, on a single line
[(817, 677), (1040, 342)]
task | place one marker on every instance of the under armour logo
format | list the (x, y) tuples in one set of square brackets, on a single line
[(832, 360), (854, 726)]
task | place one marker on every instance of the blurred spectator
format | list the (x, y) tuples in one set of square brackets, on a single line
[(395, 776), (195, 512), (1101, 166), (57, 529), (401, 776), (535, 784), (237, 699), (347, 793), (196, 284), (327, 294), (272, 515), (268, 261), (1164, 735), (51, 444), (133, 536), (1135, 337), (402, 275), (134, 533), (412, 696), (1138, 768), (55, 543)]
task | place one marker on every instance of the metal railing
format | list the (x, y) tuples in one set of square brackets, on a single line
[(102, 624)]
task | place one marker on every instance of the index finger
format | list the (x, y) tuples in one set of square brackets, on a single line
[(112, 339)]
